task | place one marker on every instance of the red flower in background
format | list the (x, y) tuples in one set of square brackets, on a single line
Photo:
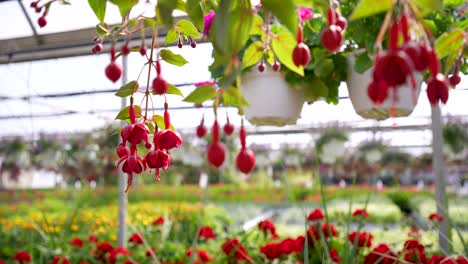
[(22, 256), (267, 226), (233, 248), (440, 259), (158, 221), (287, 246), (77, 242), (364, 239), (381, 253), (203, 256), (414, 251), (105, 247), (93, 239), (136, 238), (118, 251), (315, 215), (436, 217), (60, 260), (151, 252), (314, 233), (206, 232), (461, 260), (334, 255), (361, 212)]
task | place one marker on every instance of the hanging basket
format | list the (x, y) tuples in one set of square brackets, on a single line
[(272, 101), (357, 88)]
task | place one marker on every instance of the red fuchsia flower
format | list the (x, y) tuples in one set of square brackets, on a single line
[(334, 255), (208, 21), (361, 212), (167, 139), (440, 259), (60, 260), (364, 239), (316, 215), (436, 217), (122, 150), (22, 256), (381, 254), (136, 238), (158, 221), (414, 251), (267, 226), (77, 242), (113, 255), (305, 14), (233, 248), (151, 252), (157, 159), (134, 133), (206, 232)]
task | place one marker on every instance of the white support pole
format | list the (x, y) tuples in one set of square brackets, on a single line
[(122, 213), (438, 170)]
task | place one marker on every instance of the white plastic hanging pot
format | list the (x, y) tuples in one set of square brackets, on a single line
[(357, 83), (272, 101)]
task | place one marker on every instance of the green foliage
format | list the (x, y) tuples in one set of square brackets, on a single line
[(99, 8), (330, 135), (456, 136), (176, 59), (128, 89)]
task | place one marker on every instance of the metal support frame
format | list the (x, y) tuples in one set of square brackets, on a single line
[(122, 213), (438, 169)]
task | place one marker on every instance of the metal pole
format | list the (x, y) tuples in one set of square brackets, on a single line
[(122, 214), (438, 169)]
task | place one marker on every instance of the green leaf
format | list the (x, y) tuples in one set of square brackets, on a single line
[(366, 8), (195, 12), (172, 58), (150, 127), (164, 11), (181, 6), (174, 90), (124, 114), (283, 45), (187, 28), (99, 8), (324, 67), (285, 11), (101, 29), (233, 97), (363, 63), (252, 54), (150, 22), (127, 89), (159, 121), (462, 24), (257, 26), (449, 42), (427, 6), (124, 6), (231, 26), (315, 89), (201, 94), (171, 36)]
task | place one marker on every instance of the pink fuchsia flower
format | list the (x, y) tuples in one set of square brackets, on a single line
[(158, 221), (316, 215), (77, 242), (436, 217), (364, 239), (167, 139), (361, 212), (136, 239), (22, 257), (208, 21), (199, 84), (206, 232), (305, 14), (134, 133), (60, 260), (157, 159)]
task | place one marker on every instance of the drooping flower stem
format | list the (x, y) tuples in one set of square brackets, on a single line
[(150, 60)]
